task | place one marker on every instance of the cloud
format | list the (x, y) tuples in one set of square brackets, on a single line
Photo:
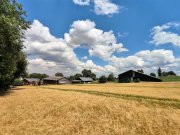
[(82, 2), (147, 60), (99, 43), (101, 7), (161, 36), (105, 7), (49, 54)]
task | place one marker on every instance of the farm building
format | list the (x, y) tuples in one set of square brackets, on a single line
[(132, 76), (64, 80), (31, 81), (83, 80), (56, 80), (86, 79)]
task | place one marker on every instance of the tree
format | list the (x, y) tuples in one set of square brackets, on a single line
[(12, 25), (153, 74), (38, 75), (159, 72), (111, 77), (76, 76), (88, 73), (140, 71), (93, 76), (59, 74), (171, 73), (102, 79), (164, 73), (71, 78)]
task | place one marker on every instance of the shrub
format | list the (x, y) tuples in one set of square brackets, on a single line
[(102, 79), (18, 82)]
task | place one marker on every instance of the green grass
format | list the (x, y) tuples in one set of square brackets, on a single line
[(170, 79)]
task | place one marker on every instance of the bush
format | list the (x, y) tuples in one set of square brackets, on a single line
[(111, 78), (18, 82), (102, 79)]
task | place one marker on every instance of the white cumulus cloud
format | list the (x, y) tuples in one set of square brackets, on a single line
[(49, 54), (101, 7), (99, 43), (105, 7), (82, 2), (161, 36)]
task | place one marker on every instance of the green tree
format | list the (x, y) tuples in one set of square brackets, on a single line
[(102, 79), (76, 76), (153, 74), (71, 78), (110, 77), (141, 71), (159, 72), (12, 25), (171, 73), (38, 75), (59, 74), (88, 73)]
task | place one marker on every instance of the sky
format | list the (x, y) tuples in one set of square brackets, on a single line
[(105, 36)]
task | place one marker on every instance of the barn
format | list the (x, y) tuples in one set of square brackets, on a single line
[(132, 76), (86, 79), (64, 80), (83, 80), (31, 81)]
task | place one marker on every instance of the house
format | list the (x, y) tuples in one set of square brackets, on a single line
[(56, 80), (132, 76), (31, 81)]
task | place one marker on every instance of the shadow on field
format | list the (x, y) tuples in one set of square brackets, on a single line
[(5, 92), (9, 91), (16, 88)]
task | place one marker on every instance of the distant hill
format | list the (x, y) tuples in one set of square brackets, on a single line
[(170, 78)]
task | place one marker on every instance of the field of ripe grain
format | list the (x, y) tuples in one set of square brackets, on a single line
[(58, 110), (157, 90)]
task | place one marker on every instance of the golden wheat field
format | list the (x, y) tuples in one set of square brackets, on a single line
[(92, 109)]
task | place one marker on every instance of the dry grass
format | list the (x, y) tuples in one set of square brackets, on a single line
[(39, 111), (158, 90)]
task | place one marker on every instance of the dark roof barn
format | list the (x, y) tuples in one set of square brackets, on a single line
[(132, 75)]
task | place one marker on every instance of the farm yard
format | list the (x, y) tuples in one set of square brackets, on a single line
[(92, 109)]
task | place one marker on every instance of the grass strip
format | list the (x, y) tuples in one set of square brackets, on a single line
[(152, 100)]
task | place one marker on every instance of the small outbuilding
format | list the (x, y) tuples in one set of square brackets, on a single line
[(64, 80), (86, 79), (83, 80), (133, 76), (31, 81), (56, 80)]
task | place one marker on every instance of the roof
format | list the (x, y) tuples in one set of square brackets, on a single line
[(76, 81), (141, 76), (32, 79), (53, 78), (86, 79)]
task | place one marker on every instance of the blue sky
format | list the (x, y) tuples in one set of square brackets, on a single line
[(131, 23)]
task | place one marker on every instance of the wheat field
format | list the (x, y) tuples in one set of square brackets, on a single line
[(76, 110)]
